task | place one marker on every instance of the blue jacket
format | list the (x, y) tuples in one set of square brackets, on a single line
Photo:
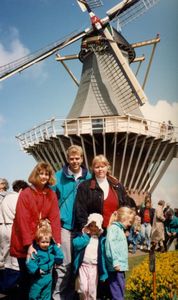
[(116, 247), (66, 189), (45, 259), (41, 285), (172, 225), (79, 244)]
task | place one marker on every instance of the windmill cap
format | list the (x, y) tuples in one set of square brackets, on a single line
[(97, 218)]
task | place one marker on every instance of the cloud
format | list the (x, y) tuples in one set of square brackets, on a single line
[(15, 48), (167, 188), (16, 51), (161, 111), (2, 120)]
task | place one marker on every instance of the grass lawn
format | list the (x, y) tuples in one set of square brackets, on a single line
[(133, 261)]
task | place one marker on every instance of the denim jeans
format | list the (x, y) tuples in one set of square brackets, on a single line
[(146, 231)]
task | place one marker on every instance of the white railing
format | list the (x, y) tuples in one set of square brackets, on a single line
[(92, 125)]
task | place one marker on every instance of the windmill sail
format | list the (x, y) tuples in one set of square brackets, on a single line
[(122, 10), (92, 4), (128, 10), (27, 61)]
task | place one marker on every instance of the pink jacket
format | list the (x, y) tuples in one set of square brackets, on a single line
[(32, 204)]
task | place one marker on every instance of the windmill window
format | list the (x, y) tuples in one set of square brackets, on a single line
[(97, 125)]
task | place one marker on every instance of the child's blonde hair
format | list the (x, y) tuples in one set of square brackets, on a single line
[(43, 229), (45, 224), (122, 214)]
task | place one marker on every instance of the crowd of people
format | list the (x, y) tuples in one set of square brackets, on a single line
[(154, 227), (67, 235)]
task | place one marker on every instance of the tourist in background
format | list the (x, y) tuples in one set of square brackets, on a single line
[(147, 215), (157, 232), (9, 264), (135, 234), (4, 186), (171, 228)]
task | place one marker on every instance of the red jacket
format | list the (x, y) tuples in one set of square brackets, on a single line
[(31, 205)]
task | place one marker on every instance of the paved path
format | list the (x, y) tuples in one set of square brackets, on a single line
[(138, 252)]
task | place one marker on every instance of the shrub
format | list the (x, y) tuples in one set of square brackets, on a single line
[(140, 282)]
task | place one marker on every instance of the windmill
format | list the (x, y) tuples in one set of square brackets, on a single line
[(105, 116)]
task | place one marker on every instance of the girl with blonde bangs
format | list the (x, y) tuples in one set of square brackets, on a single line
[(117, 250)]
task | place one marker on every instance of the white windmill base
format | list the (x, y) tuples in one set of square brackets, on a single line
[(138, 150)]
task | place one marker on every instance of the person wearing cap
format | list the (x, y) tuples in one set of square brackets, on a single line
[(89, 257)]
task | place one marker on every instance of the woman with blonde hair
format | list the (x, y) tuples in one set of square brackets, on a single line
[(101, 194), (117, 250), (36, 202)]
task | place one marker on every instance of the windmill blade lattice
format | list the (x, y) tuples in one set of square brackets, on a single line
[(128, 10), (94, 3), (29, 60)]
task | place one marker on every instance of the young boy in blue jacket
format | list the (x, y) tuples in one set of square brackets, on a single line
[(41, 264), (89, 257)]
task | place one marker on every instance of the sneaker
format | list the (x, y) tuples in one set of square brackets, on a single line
[(162, 250), (133, 251), (141, 247)]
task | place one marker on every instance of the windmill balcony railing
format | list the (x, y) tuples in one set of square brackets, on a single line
[(93, 125)]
